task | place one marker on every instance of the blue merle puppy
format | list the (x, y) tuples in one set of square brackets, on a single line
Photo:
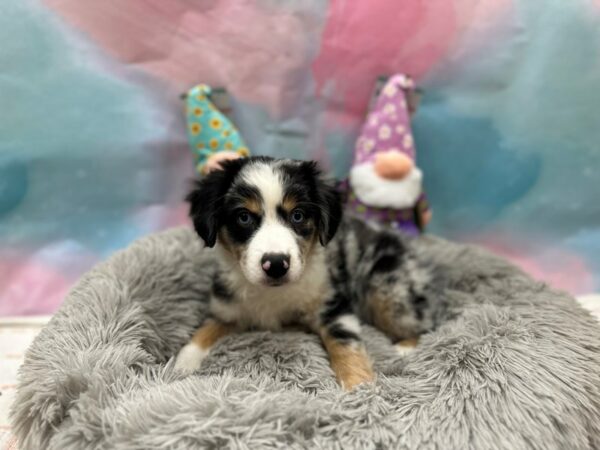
[(273, 227)]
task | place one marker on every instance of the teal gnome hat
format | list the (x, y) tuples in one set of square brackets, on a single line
[(209, 131)]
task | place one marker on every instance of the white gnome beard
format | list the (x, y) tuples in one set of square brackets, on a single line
[(374, 190)]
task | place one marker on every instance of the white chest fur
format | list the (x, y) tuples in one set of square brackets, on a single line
[(270, 308)]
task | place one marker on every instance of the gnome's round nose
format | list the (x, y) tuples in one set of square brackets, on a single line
[(393, 165)]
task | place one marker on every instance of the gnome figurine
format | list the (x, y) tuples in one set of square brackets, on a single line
[(385, 185), (212, 136)]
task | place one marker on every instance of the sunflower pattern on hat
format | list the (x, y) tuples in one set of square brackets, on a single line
[(209, 130)]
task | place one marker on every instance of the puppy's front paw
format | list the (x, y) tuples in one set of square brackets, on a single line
[(406, 346), (350, 379), (190, 358)]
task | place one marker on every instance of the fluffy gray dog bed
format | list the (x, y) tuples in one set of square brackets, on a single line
[(514, 365)]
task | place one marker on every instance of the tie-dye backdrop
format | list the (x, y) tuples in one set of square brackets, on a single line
[(92, 139)]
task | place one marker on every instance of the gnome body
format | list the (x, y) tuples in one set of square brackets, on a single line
[(385, 185)]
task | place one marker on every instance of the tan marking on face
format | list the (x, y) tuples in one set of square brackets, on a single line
[(349, 362), (208, 334), (234, 250), (289, 203), (253, 205), (306, 246)]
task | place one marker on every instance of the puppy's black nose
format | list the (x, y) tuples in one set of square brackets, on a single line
[(275, 265)]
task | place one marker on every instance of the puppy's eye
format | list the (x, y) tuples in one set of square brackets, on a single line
[(297, 216), (244, 218)]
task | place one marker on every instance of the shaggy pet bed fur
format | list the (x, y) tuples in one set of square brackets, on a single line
[(514, 365)]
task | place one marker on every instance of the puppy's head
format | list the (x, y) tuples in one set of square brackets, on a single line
[(266, 214)]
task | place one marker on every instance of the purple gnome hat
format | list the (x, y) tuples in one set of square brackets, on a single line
[(388, 125)]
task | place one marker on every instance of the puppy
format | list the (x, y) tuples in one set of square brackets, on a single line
[(270, 222)]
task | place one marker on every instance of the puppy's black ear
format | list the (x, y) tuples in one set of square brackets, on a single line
[(206, 200), (331, 211), (329, 202)]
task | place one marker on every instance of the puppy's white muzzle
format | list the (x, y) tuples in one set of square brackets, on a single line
[(273, 256)]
